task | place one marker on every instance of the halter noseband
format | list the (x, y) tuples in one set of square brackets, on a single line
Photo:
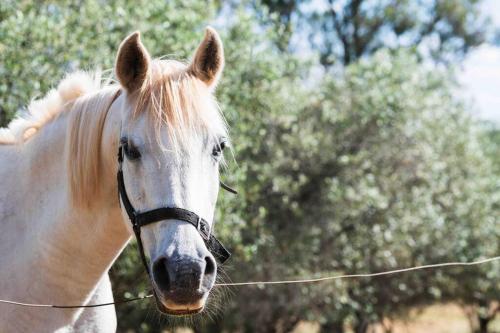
[(139, 219)]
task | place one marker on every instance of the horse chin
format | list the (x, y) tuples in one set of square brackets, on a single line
[(171, 308)]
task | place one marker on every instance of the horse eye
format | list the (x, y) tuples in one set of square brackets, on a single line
[(217, 151), (131, 152)]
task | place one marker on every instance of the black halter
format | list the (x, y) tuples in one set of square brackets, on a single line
[(168, 213)]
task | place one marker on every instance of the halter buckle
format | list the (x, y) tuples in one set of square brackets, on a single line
[(202, 229)]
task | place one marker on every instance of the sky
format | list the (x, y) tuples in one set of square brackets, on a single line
[(480, 75)]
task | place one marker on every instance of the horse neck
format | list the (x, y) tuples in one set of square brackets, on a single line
[(67, 248)]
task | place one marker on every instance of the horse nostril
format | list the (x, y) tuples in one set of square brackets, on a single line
[(161, 275), (210, 266)]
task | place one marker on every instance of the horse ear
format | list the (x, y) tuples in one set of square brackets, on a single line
[(132, 62), (208, 60)]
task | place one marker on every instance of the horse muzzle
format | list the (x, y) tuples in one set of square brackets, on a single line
[(182, 284)]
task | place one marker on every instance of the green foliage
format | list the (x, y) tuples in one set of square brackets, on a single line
[(41, 41), (374, 168), (381, 168)]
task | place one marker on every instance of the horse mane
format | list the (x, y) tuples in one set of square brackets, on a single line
[(42, 111), (176, 99), (85, 128)]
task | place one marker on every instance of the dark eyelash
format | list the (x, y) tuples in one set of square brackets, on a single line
[(130, 150), (217, 150)]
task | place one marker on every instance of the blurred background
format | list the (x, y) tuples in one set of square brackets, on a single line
[(366, 138)]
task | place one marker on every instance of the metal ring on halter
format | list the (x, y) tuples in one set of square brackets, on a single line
[(198, 224)]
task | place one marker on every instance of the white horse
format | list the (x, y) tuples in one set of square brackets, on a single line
[(62, 224)]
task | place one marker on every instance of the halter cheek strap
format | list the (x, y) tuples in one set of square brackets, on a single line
[(139, 220)]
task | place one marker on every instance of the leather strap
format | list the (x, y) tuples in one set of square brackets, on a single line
[(139, 220), (227, 187)]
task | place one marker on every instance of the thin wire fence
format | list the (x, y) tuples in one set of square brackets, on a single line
[(266, 283)]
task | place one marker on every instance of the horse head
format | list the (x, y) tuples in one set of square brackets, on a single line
[(171, 140)]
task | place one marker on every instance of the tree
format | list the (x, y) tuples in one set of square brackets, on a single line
[(348, 30), (381, 168)]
